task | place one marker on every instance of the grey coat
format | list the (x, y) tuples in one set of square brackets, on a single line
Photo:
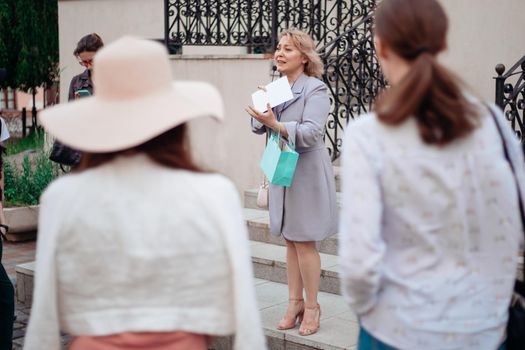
[(307, 210)]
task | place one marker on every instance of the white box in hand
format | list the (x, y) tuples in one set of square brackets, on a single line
[(276, 93)]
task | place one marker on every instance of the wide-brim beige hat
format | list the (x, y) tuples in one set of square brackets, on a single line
[(135, 100)]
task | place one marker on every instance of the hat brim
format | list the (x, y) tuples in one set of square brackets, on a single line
[(99, 125)]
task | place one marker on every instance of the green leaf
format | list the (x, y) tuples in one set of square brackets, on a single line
[(29, 42), (25, 186)]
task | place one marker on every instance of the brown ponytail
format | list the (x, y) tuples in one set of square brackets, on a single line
[(416, 31)]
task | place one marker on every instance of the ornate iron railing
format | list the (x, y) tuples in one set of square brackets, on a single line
[(510, 96), (354, 79), (343, 31), (256, 23)]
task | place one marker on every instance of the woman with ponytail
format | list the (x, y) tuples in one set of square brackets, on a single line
[(430, 223)]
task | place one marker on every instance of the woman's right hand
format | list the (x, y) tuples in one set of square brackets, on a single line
[(268, 119)]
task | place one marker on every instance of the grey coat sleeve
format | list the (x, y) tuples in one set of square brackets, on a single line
[(310, 129)]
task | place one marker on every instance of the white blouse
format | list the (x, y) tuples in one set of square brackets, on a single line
[(429, 235), (135, 246)]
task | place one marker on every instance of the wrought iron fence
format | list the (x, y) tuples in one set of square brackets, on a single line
[(343, 31), (256, 23), (354, 79), (510, 96)]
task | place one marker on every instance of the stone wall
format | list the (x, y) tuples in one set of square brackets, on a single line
[(228, 147), (482, 34)]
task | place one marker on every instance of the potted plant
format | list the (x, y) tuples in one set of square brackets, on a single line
[(27, 172)]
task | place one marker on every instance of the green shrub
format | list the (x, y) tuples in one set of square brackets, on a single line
[(24, 186), (35, 140)]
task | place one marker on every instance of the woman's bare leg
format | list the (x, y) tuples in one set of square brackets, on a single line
[(295, 288), (310, 267)]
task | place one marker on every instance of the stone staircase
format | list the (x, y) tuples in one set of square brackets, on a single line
[(339, 327)]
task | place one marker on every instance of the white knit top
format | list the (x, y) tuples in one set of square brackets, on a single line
[(135, 246)]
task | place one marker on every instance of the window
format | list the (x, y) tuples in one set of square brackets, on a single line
[(7, 99)]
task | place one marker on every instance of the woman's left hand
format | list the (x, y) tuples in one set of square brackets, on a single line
[(267, 118)]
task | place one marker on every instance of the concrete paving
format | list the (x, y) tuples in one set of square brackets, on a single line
[(22, 318), (339, 327), (16, 253)]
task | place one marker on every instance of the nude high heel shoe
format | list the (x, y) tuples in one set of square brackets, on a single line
[(308, 330), (297, 318)]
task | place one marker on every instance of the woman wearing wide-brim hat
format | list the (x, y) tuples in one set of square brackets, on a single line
[(140, 248)]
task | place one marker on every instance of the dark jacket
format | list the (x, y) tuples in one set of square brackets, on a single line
[(79, 82), (61, 153)]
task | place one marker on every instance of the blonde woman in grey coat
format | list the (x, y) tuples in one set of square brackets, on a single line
[(306, 211)]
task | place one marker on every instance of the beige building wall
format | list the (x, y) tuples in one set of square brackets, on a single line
[(482, 34), (108, 18), (227, 147)]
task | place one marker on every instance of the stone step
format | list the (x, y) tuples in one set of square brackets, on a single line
[(258, 223), (269, 263), (22, 222), (24, 283), (339, 327), (250, 199)]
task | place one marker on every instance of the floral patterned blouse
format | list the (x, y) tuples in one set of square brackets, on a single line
[(429, 235)]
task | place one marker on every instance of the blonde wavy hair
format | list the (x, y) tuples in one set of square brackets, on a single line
[(305, 44)]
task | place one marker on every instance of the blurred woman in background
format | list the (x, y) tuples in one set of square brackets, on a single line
[(80, 86), (85, 52)]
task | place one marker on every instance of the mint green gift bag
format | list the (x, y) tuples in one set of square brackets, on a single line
[(279, 161)]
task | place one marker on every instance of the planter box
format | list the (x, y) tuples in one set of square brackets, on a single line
[(24, 283), (23, 222)]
